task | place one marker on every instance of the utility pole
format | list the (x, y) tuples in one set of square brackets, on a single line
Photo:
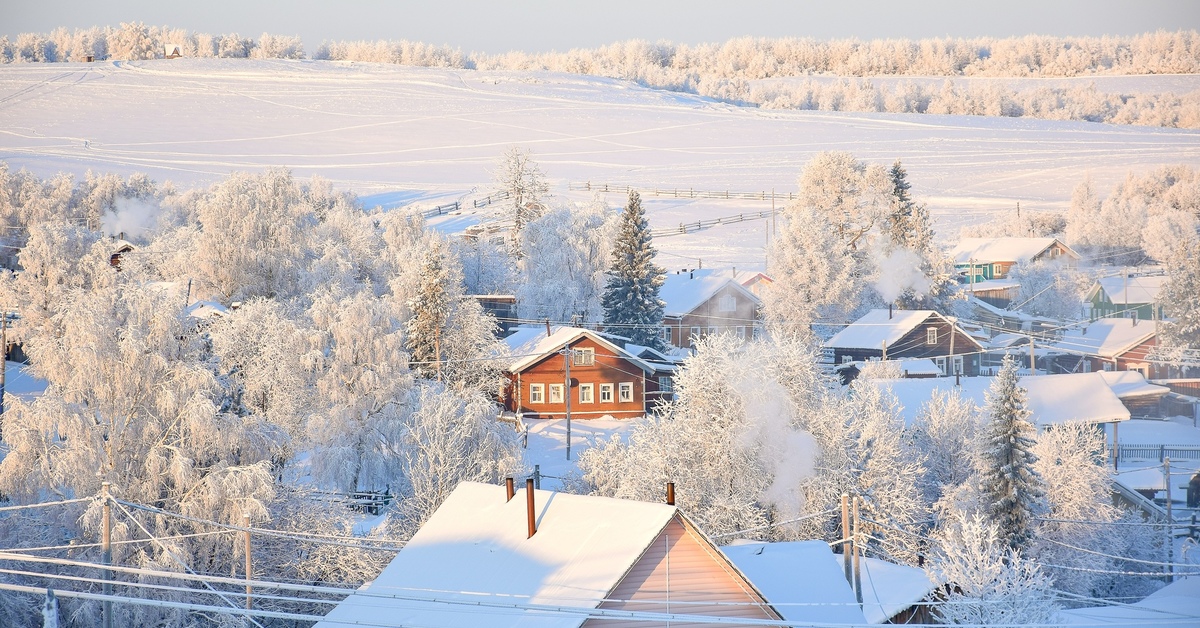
[(4, 350), (249, 565), (1170, 521), (567, 392), (847, 544), (1032, 358), (106, 552), (857, 552)]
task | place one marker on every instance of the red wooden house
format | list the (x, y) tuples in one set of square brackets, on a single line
[(605, 379)]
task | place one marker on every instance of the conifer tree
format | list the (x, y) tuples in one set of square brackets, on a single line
[(631, 302), (430, 311), (1011, 488)]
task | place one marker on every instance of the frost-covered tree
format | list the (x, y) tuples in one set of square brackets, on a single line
[(519, 176), (854, 196), (430, 308), (1012, 490), (1180, 332), (727, 441), (1049, 288), (815, 274), (631, 303), (488, 267), (990, 583), (946, 429), (568, 251)]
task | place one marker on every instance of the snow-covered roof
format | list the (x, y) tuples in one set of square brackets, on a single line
[(1126, 384), (530, 345), (922, 366), (684, 292), (475, 550), (985, 250), (1004, 341), (1131, 290), (879, 326), (205, 310), (1106, 337), (1052, 399), (804, 581), (993, 284), (1177, 604)]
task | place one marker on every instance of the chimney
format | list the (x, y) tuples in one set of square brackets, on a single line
[(889, 311), (529, 507), (670, 493), (548, 334), (691, 275), (508, 489)]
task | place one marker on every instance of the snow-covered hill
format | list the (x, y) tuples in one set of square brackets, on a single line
[(430, 134)]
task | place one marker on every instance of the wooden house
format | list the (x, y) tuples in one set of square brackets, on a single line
[(705, 302), (605, 379), (543, 559), (907, 334), (1126, 297), (1108, 344), (985, 259)]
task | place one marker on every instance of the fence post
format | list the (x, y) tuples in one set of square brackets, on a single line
[(537, 476), (106, 552), (249, 564)]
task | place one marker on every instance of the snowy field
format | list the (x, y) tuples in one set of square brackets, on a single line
[(399, 135), (1109, 84), (20, 383)]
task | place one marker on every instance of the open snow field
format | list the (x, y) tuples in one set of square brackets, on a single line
[(398, 135)]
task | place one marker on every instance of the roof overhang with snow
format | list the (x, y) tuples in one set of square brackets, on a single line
[(529, 346), (877, 327)]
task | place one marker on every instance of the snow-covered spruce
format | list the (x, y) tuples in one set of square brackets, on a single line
[(631, 303)]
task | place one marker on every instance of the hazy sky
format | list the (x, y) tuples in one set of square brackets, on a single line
[(539, 25)]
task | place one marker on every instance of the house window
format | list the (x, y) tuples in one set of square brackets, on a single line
[(584, 357), (728, 303), (626, 392), (741, 332), (665, 383), (556, 393), (931, 336), (606, 393), (1108, 366), (537, 393), (712, 331), (1087, 365), (587, 393), (941, 364), (666, 334), (694, 336), (758, 332), (958, 365), (846, 359)]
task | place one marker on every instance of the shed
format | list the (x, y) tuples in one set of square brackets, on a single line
[(474, 563)]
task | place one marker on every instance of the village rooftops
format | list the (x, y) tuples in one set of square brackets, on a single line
[(1133, 290), (684, 292), (984, 250), (475, 563), (878, 327), (1106, 337)]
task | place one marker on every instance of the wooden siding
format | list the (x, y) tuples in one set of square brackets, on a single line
[(683, 573), (913, 345), (1135, 359), (607, 369), (710, 319)]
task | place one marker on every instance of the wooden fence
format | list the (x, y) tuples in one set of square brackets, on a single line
[(1157, 452), (457, 205), (684, 228), (588, 186)]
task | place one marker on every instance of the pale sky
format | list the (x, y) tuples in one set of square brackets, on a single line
[(542, 25)]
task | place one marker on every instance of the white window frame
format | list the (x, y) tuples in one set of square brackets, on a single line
[(666, 334), (941, 364), (585, 356), (931, 335), (625, 392), (757, 333), (556, 393), (959, 366), (587, 393), (666, 384), (537, 393), (712, 330), (727, 303), (741, 332), (694, 336), (846, 359), (606, 393), (1087, 365)]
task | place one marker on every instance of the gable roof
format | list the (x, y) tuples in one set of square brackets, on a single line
[(474, 564), (985, 250), (1131, 290), (1106, 337), (1052, 399), (879, 326), (684, 292), (530, 345)]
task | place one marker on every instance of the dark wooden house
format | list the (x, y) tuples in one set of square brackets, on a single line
[(907, 334)]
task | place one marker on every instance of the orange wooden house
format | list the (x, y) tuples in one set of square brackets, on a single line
[(548, 560), (605, 378)]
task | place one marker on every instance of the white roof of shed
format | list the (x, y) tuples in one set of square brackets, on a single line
[(1052, 399), (1132, 290), (473, 563), (877, 327), (1106, 337), (985, 250)]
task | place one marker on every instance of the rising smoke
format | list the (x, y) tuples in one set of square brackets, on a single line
[(130, 216)]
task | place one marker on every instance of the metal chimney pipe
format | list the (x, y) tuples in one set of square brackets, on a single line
[(670, 493), (529, 507), (889, 311), (508, 489)]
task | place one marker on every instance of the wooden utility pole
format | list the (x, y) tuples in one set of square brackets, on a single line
[(1170, 522), (567, 393), (847, 544), (1032, 358), (249, 564), (857, 553), (106, 552), (3, 350)]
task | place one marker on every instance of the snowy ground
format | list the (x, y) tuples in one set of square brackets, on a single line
[(399, 135), (1114, 84), (20, 383), (548, 445)]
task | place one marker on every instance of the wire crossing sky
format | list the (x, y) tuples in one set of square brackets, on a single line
[(544, 25)]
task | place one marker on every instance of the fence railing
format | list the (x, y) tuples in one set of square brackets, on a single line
[(688, 227), (588, 186), (457, 205), (1157, 452)]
